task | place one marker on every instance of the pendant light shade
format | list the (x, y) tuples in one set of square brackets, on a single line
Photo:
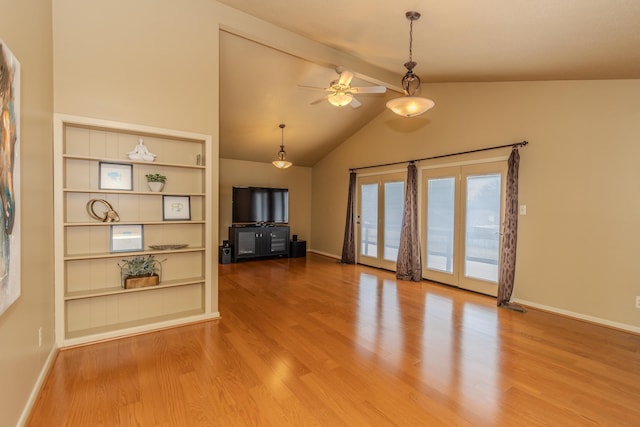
[(410, 105), (281, 162)]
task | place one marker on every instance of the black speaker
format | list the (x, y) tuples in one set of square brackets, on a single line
[(298, 248), (225, 243), (295, 238), (224, 254)]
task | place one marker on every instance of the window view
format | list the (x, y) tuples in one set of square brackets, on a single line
[(393, 207), (482, 240), (369, 220), (440, 223)]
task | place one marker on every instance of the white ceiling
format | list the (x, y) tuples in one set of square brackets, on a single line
[(453, 41)]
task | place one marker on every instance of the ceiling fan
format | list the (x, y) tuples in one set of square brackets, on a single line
[(341, 92)]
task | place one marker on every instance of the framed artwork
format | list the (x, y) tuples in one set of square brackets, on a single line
[(115, 176), (175, 208), (127, 238), (10, 234)]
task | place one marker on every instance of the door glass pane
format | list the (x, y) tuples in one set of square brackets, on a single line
[(482, 240), (369, 220), (393, 207), (440, 223)]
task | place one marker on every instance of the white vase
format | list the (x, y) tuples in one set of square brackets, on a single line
[(156, 186)]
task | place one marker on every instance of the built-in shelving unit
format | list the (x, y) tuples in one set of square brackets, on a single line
[(91, 303)]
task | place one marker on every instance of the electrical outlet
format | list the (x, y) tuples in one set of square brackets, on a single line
[(523, 210), (40, 336), (638, 301)]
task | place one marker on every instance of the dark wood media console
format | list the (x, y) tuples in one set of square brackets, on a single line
[(260, 241)]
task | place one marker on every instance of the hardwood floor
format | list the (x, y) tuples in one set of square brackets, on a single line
[(310, 342)]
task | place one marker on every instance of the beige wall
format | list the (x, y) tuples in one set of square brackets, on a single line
[(26, 29), (579, 242), (116, 60), (144, 62), (297, 179)]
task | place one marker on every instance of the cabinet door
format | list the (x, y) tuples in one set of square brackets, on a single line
[(279, 240), (246, 243)]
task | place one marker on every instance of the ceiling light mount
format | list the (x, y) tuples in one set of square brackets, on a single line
[(281, 161), (410, 105)]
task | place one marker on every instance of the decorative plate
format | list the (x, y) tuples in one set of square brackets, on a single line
[(168, 247)]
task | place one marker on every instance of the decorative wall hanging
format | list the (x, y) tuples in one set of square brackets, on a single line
[(9, 178)]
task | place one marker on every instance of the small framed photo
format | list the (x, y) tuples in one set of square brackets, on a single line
[(115, 176), (176, 208), (126, 238)]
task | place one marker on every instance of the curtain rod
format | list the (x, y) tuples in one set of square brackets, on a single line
[(516, 145)]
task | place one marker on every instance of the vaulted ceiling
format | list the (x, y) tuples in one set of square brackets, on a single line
[(462, 41)]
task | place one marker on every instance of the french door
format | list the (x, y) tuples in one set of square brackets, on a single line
[(462, 213), (379, 219)]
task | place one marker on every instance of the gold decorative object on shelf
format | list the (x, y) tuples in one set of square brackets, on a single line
[(109, 216)]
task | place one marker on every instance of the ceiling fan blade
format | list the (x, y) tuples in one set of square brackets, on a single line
[(345, 78), (355, 103), (315, 87), (368, 89), (317, 101)]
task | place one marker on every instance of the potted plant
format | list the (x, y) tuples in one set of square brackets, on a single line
[(140, 271), (156, 181)]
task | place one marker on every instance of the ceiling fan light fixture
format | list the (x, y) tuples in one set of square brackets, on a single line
[(340, 99), (410, 105), (281, 161)]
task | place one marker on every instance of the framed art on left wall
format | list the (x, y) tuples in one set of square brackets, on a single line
[(9, 178)]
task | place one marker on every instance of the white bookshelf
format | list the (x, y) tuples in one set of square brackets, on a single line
[(91, 303)]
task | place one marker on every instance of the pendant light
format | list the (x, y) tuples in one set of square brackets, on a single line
[(281, 162), (410, 105)]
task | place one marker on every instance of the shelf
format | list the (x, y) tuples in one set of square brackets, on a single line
[(133, 162), (148, 323), (77, 257), (138, 193), (70, 296), (103, 224)]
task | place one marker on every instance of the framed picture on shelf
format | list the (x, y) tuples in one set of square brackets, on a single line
[(127, 238), (176, 208), (115, 176)]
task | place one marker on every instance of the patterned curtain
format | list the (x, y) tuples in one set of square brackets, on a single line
[(409, 263), (507, 268), (349, 243)]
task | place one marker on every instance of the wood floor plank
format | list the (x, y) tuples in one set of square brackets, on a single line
[(311, 342)]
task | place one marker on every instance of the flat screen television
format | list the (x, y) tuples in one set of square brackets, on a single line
[(258, 205)]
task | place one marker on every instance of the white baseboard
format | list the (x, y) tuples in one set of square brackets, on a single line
[(37, 386), (325, 254), (567, 313), (592, 319)]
